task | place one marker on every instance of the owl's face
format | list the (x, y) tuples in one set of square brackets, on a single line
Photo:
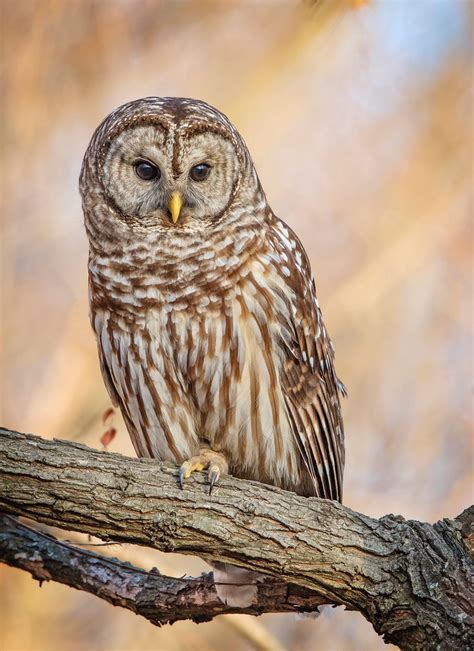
[(154, 180), (176, 164)]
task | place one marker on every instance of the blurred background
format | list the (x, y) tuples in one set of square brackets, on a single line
[(359, 118)]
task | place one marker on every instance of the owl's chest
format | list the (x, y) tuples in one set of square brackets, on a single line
[(222, 334), (229, 357), (206, 368)]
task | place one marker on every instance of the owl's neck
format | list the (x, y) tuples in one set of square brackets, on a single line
[(176, 268)]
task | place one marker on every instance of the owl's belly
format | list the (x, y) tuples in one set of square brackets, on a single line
[(210, 379), (238, 393)]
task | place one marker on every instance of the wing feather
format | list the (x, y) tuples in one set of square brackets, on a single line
[(311, 387)]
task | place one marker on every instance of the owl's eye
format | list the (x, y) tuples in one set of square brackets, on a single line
[(200, 172), (146, 170)]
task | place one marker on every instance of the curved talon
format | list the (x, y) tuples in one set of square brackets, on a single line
[(195, 463), (214, 474)]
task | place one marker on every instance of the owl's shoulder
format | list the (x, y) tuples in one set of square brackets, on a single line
[(288, 246)]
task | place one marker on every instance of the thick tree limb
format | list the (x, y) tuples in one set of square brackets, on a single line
[(411, 580)]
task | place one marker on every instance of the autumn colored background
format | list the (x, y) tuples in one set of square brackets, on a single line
[(359, 119)]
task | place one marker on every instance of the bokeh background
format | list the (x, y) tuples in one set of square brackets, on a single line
[(359, 118)]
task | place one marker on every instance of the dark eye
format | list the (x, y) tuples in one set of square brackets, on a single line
[(146, 171), (200, 172)]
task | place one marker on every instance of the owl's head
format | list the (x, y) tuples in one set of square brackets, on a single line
[(166, 163)]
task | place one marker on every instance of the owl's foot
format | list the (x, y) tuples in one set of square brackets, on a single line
[(214, 462)]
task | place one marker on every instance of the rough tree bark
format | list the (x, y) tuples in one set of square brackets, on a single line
[(411, 580)]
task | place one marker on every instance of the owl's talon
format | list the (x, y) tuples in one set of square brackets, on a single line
[(188, 467), (214, 474), (215, 462)]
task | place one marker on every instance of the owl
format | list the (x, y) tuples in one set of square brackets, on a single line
[(210, 336)]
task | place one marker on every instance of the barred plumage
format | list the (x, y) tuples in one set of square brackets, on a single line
[(208, 326)]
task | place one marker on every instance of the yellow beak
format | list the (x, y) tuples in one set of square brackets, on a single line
[(174, 206)]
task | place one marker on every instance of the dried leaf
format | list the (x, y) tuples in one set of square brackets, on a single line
[(108, 413), (108, 437)]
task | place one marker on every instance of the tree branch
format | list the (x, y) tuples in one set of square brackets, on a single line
[(411, 580), (160, 599)]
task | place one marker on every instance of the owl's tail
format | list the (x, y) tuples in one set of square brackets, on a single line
[(235, 586)]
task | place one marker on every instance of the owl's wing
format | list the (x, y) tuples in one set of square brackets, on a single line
[(309, 380), (108, 381)]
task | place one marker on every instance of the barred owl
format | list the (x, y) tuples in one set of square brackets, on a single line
[(210, 335)]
